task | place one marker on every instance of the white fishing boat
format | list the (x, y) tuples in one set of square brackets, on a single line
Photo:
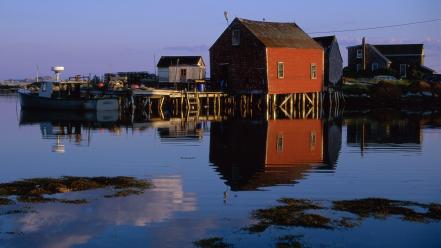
[(64, 95)]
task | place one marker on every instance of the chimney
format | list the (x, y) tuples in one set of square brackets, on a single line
[(363, 46)]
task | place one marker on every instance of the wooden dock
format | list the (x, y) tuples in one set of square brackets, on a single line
[(214, 105)]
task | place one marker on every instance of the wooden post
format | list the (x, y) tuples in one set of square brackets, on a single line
[(303, 105)]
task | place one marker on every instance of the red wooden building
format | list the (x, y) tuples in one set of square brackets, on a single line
[(254, 57)]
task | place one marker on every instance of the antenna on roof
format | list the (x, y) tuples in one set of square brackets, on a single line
[(226, 16)]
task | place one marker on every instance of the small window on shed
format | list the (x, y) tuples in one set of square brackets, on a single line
[(280, 70), (374, 66), (358, 68), (313, 71), (235, 38), (359, 54)]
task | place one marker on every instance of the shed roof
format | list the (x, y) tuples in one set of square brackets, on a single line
[(167, 61), (325, 41), (277, 34)]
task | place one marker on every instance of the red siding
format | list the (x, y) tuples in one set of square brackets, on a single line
[(297, 64), (299, 146)]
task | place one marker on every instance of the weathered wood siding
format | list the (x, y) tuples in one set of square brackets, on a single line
[(240, 68), (333, 65), (172, 74)]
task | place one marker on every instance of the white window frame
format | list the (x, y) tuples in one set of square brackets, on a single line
[(282, 74), (375, 66), (235, 37), (403, 70), (313, 71), (359, 53)]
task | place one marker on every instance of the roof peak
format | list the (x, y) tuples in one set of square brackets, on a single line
[(269, 22), (278, 34)]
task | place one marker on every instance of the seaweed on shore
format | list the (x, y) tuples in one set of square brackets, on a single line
[(125, 193), (214, 242), (6, 201), (382, 208), (290, 241), (33, 190), (291, 213)]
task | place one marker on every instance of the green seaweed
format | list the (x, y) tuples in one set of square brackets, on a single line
[(292, 213), (125, 193), (381, 208), (6, 201), (290, 241), (34, 190), (214, 242)]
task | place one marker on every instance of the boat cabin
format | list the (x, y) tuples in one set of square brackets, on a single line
[(51, 89)]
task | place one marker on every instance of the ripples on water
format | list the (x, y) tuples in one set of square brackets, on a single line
[(209, 176)]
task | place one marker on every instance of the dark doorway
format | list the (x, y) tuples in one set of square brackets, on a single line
[(224, 77)]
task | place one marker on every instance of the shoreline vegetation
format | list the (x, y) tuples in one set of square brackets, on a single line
[(391, 93)]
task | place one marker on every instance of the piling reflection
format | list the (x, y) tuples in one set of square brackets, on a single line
[(253, 154)]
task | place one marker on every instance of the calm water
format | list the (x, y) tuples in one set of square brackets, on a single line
[(209, 176)]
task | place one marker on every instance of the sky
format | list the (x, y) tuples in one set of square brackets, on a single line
[(99, 36)]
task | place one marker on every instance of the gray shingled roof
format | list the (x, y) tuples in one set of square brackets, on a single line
[(167, 61), (276, 34), (325, 41)]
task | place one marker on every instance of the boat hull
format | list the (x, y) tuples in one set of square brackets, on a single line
[(29, 101)]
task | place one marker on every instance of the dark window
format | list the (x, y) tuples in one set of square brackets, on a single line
[(403, 70), (236, 37), (359, 54), (374, 66)]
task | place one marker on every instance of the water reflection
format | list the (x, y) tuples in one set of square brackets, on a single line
[(388, 130), (77, 127), (70, 225), (245, 154), (250, 154)]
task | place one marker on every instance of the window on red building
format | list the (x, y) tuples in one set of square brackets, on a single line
[(280, 70), (313, 71)]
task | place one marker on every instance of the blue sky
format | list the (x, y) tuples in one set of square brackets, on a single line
[(98, 36)]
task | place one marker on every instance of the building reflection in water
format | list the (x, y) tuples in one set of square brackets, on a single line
[(250, 154), (385, 131)]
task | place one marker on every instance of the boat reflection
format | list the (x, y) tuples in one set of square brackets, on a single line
[(77, 127), (253, 154)]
